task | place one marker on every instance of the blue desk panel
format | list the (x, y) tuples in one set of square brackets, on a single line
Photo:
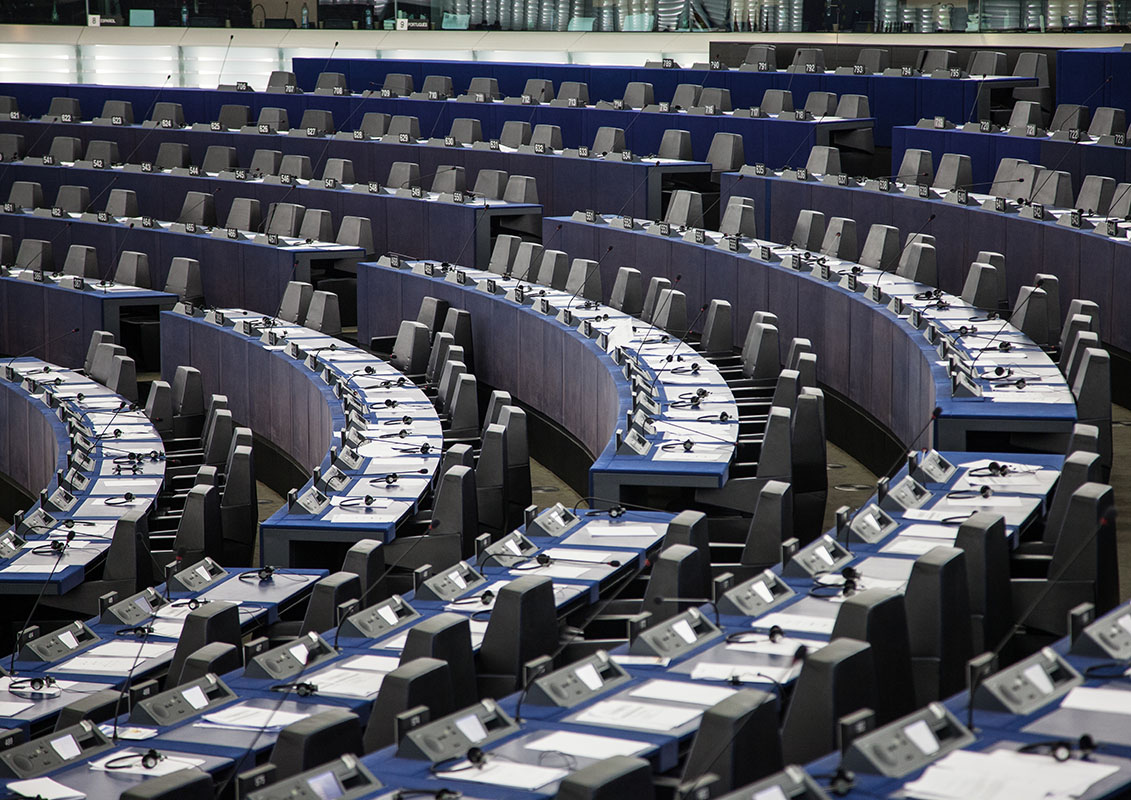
[(893, 100), (769, 140), (609, 186)]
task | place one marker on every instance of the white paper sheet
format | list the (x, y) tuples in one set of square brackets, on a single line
[(786, 646), (245, 717), (638, 716), (598, 531), (746, 673), (10, 708), (45, 789), (1006, 775), (505, 773), (128, 649), (586, 745), (348, 682), (681, 692), (1107, 701), (802, 623)]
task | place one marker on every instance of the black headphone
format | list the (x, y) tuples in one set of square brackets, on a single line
[(722, 416), (983, 491), (483, 598), (423, 449), (264, 574), (137, 630), (148, 760), (842, 781), (670, 447), (31, 684), (193, 603), (302, 689), (128, 497), (846, 588), (354, 502), (392, 477), (996, 470), (1062, 749)]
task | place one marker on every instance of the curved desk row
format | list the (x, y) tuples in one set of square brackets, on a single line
[(568, 372), (1088, 263), (987, 149), (102, 659), (610, 184), (654, 710), (398, 223), (89, 455), (878, 359), (326, 405), (361, 658), (894, 100), (771, 140)]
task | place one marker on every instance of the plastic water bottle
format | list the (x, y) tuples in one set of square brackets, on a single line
[(184, 15), (368, 18), (305, 16)]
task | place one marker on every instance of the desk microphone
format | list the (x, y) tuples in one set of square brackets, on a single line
[(594, 266), (656, 311), (719, 200), (670, 359), (531, 265), (145, 629), (703, 600), (66, 227), (329, 58), (207, 196), (35, 607), (224, 60), (1007, 323), (544, 560), (635, 191), (688, 444), (805, 133), (389, 569), (45, 345), (899, 176), (885, 267), (107, 280), (472, 236), (389, 478)]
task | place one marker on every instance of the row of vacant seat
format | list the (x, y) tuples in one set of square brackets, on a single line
[(928, 60), (1072, 340), (245, 214), (1104, 121), (270, 164), (1018, 180)]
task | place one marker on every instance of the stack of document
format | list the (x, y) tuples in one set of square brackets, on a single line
[(1006, 775), (360, 676)]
